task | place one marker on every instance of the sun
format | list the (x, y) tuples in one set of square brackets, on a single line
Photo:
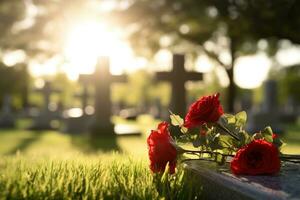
[(88, 41)]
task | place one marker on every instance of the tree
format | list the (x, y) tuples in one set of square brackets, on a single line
[(18, 77), (219, 28)]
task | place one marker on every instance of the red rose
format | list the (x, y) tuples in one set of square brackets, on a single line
[(161, 150), (258, 157), (207, 109)]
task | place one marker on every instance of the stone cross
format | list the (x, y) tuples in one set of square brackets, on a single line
[(44, 120), (46, 92), (177, 77), (102, 80)]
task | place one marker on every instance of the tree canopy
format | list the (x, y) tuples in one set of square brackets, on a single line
[(223, 30)]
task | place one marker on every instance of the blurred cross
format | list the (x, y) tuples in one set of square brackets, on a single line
[(102, 80), (46, 92), (177, 78), (44, 119)]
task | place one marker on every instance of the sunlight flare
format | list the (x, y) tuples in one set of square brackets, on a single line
[(88, 41)]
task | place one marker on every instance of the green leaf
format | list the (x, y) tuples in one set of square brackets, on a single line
[(226, 141), (278, 142), (176, 120), (229, 118), (267, 133), (213, 141), (241, 118), (199, 141), (246, 138), (164, 177)]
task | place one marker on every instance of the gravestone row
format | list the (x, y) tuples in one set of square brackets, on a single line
[(102, 80)]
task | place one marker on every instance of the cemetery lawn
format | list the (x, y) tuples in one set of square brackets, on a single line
[(52, 165)]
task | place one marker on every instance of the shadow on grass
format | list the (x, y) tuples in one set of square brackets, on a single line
[(25, 143), (93, 144)]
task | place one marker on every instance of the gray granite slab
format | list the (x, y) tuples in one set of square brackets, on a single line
[(219, 183)]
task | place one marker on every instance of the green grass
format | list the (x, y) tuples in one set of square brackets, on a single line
[(52, 165), (112, 176)]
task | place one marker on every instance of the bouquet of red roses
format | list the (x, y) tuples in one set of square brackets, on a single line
[(216, 136)]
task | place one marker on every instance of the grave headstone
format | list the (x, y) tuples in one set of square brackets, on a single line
[(218, 183), (268, 115), (45, 118), (103, 79), (76, 120), (7, 119), (177, 78), (156, 109), (101, 124), (289, 112)]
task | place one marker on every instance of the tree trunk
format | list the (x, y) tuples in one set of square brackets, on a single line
[(231, 90)]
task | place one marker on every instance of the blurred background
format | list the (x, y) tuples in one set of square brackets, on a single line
[(161, 55)]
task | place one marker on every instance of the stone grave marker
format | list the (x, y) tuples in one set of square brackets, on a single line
[(219, 183), (177, 78), (45, 118), (102, 80), (156, 109), (7, 119), (289, 112), (76, 120), (268, 115), (159, 111)]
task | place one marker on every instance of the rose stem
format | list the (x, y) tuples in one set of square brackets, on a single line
[(208, 152), (227, 131), (190, 159)]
